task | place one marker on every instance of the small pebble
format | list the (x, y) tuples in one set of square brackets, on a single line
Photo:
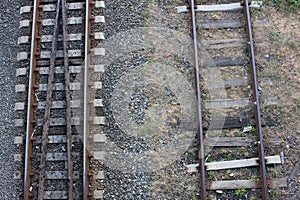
[(174, 121)]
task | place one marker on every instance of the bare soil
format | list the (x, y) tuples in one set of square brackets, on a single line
[(278, 71)]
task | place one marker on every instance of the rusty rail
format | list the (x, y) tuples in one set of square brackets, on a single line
[(197, 81), (68, 101), (30, 101), (259, 134), (48, 107)]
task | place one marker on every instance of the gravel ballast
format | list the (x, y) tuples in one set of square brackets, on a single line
[(9, 23), (277, 62)]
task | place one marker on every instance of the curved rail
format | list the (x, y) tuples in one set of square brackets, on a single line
[(48, 107), (68, 101)]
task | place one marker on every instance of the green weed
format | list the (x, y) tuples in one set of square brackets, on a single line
[(145, 14), (292, 44), (287, 5), (207, 150), (247, 51), (282, 110), (194, 198), (211, 176), (274, 192), (229, 157), (145, 1), (274, 36), (240, 192), (241, 134), (143, 71)]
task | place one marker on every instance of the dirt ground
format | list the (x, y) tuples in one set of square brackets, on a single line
[(278, 59)]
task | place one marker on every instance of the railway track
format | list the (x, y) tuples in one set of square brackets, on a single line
[(61, 87), (58, 109), (229, 128)]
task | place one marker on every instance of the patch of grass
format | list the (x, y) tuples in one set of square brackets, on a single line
[(226, 176), (274, 36), (145, 1), (150, 58), (241, 134), (150, 61), (143, 71), (274, 192), (211, 176), (208, 159), (277, 3), (207, 150), (257, 11), (292, 5), (282, 110), (240, 192), (275, 173), (247, 51), (255, 179), (289, 91), (292, 44), (229, 156), (145, 14), (287, 5), (194, 198)]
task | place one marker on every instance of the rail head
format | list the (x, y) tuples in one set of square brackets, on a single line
[(85, 101)]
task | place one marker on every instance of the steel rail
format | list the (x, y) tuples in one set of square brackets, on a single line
[(86, 103), (68, 100), (48, 107), (257, 105), (200, 128), (30, 101)]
